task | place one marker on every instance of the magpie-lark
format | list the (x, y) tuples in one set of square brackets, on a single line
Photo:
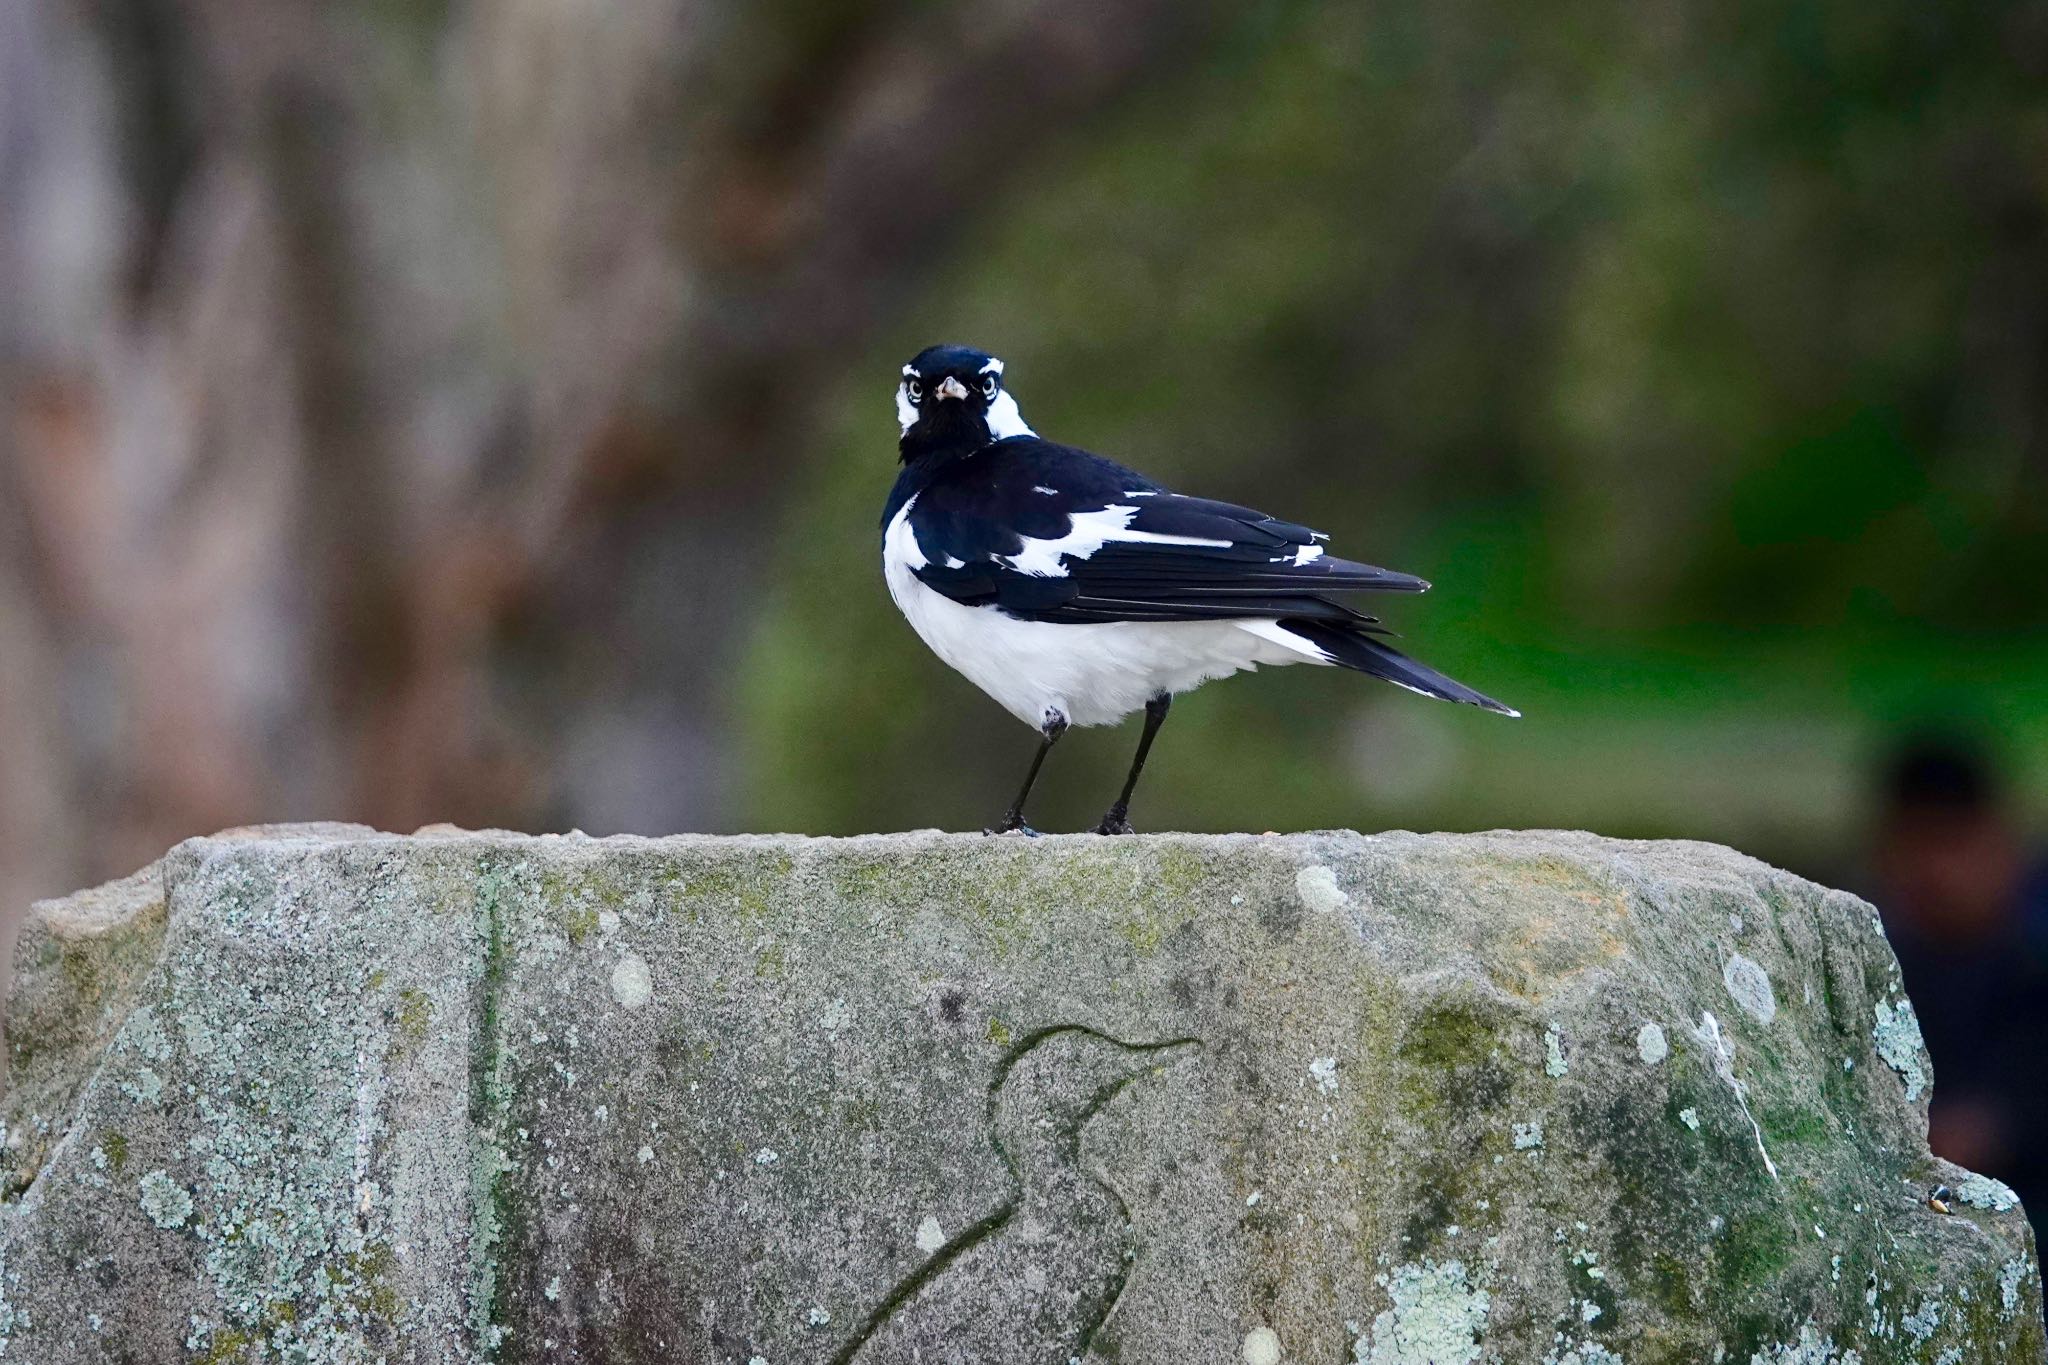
[(1075, 591)]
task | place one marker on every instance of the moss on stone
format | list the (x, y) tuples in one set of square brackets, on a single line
[(743, 1160)]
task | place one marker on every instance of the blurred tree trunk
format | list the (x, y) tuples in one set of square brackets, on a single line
[(396, 399)]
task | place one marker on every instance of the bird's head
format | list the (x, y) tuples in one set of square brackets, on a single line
[(954, 398)]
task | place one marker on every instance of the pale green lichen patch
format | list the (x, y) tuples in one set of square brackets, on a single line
[(168, 1204), (1897, 1035), (632, 983), (1436, 1318), (145, 1088), (1651, 1044), (2010, 1276), (1984, 1192), (145, 1035), (1554, 1063), (1812, 1348), (1318, 889), (1584, 1353), (1921, 1323), (1750, 986), (1527, 1136), (1261, 1346)]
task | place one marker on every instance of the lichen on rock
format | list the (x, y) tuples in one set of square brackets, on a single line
[(1986, 1193), (1811, 1348), (329, 1095), (1437, 1317), (1897, 1034), (168, 1204)]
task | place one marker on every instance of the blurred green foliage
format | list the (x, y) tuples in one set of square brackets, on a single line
[(1695, 353)]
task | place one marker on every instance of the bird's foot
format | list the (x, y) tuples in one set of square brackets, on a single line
[(1115, 823), (1013, 824)]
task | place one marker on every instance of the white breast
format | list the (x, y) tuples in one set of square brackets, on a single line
[(1093, 674)]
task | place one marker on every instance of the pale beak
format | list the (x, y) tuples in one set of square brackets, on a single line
[(949, 387)]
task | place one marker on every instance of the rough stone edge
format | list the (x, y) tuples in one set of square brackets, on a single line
[(105, 940)]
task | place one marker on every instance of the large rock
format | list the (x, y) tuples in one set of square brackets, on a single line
[(326, 1095)]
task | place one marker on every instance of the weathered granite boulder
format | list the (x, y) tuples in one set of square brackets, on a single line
[(318, 1094)]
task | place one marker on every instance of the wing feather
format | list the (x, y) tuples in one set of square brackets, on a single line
[(1106, 544)]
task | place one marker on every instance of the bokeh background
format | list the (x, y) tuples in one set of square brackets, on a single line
[(418, 411)]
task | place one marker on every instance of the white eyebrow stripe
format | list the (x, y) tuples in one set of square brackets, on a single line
[(910, 371), (993, 364)]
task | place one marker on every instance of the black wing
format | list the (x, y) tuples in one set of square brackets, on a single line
[(1051, 533)]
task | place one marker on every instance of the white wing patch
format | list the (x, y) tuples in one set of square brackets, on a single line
[(1089, 532), (1307, 554)]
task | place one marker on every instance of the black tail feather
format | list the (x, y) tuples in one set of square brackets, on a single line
[(1353, 648)]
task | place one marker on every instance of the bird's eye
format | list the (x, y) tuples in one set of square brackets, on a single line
[(914, 389), (988, 386)]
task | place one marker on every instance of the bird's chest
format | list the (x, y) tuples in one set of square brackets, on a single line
[(989, 647), (1092, 674)]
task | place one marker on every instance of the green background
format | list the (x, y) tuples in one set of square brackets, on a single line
[(1678, 348)]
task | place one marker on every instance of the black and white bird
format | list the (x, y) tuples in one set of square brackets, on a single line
[(1075, 591)]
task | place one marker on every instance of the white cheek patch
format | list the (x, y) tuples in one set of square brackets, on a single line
[(1089, 532), (1004, 420)]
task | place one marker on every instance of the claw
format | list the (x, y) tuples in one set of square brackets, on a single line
[(1014, 827), (1109, 826)]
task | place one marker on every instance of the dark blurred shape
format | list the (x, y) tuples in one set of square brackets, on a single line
[(1964, 910)]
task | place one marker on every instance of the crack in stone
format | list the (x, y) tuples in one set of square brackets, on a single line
[(1067, 1144)]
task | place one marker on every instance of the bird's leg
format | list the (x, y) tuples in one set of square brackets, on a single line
[(1054, 726), (1117, 821)]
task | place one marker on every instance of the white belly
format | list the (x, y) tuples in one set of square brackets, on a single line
[(1093, 674)]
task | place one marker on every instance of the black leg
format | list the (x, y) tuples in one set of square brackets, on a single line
[(1117, 821), (1013, 821)]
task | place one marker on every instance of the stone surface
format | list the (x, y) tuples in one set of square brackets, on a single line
[(317, 1094)]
